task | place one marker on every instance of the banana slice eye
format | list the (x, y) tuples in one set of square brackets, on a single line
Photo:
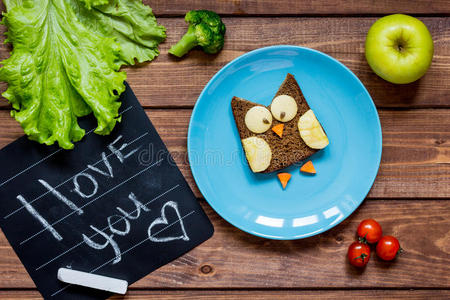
[(258, 153), (311, 131), (258, 119), (284, 108)]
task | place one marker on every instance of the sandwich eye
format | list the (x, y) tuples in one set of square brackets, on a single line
[(284, 108), (258, 119), (311, 131)]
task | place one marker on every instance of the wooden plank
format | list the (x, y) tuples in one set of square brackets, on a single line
[(288, 294), (256, 294), (235, 259), (300, 7), (415, 161), (170, 82)]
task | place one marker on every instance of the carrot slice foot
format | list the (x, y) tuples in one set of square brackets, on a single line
[(284, 179), (308, 167)]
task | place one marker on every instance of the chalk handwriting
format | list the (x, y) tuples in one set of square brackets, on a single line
[(108, 241), (61, 197), (115, 230), (110, 238), (139, 207), (163, 220), (121, 156), (152, 236), (77, 188), (107, 165), (81, 191), (41, 219)]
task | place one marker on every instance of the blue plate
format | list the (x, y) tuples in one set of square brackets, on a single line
[(346, 169)]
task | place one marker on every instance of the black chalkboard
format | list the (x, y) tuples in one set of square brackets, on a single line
[(116, 205)]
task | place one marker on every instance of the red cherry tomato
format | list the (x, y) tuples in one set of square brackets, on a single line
[(388, 247), (370, 230), (358, 254)]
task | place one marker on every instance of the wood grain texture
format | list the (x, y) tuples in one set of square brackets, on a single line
[(170, 82), (256, 294), (296, 7), (415, 161), (234, 259), (300, 7)]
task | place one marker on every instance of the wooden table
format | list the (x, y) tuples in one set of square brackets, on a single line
[(410, 197)]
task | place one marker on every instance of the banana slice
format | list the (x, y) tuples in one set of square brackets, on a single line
[(284, 108), (311, 131), (258, 119), (258, 153)]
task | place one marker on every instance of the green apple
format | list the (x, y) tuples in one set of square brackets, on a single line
[(399, 48)]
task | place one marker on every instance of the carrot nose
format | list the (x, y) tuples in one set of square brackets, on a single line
[(278, 129)]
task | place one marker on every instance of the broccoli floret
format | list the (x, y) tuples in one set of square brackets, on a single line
[(206, 29)]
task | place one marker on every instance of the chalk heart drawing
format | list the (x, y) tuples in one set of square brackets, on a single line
[(163, 221)]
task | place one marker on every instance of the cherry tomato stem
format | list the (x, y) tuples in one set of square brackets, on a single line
[(369, 231), (358, 254)]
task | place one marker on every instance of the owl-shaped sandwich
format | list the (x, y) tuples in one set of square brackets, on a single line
[(277, 136)]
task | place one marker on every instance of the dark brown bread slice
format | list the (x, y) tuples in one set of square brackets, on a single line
[(290, 148)]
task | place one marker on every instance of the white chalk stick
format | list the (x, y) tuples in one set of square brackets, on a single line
[(93, 281)]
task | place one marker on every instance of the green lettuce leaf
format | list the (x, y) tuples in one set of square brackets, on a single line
[(131, 23), (61, 68), (90, 3)]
